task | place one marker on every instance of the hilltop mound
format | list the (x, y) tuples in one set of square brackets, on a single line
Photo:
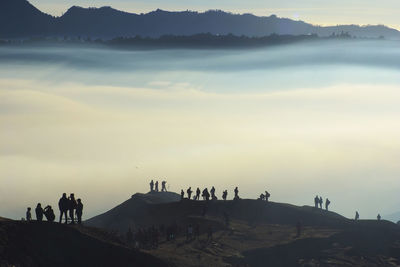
[(134, 211), (258, 234), (53, 244), (165, 208)]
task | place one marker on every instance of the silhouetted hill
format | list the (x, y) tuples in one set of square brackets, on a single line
[(165, 208), (259, 233), (52, 244), (21, 19), (134, 211)]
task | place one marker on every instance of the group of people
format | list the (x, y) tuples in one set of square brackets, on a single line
[(318, 201), (154, 186), (206, 195), (72, 206), (265, 196), (65, 204), (47, 212)]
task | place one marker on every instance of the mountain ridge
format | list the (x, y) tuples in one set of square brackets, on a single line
[(107, 23)]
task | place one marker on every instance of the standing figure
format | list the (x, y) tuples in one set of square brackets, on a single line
[(320, 202), (225, 194), (156, 186), (316, 201), (327, 202), (197, 194), (163, 187), (63, 205), (28, 214), (357, 216), (379, 217), (72, 207), (205, 194), (262, 197), (39, 212), (79, 210), (236, 193), (267, 195), (182, 194), (151, 186), (212, 191), (189, 192)]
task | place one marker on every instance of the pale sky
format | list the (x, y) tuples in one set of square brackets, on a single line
[(313, 11), (294, 120)]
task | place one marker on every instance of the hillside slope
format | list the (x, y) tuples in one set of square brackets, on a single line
[(53, 244), (133, 212)]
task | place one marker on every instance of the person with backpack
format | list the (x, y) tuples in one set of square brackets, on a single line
[(225, 194), (327, 202), (189, 192), (267, 196)]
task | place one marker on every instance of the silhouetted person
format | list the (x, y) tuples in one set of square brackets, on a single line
[(189, 192), (225, 194), (267, 196), (236, 193), (156, 186), (63, 205), (49, 213), (72, 207), (378, 217), (327, 202), (198, 194), (79, 210), (357, 216), (262, 197), (163, 187), (212, 191), (151, 186), (320, 201), (298, 227), (182, 194), (316, 201), (205, 194), (39, 212), (28, 214)]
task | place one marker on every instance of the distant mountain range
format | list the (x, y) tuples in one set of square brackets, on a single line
[(20, 19)]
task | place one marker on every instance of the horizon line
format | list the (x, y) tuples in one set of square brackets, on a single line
[(216, 10)]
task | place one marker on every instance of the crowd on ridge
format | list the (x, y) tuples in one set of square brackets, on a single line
[(67, 206), (154, 186)]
